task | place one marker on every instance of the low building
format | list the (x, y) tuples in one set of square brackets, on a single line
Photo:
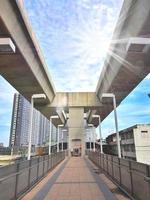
[(1, 144), (4, 150), (134, 141)]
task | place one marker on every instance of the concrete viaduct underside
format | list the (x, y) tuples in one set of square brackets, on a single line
[(126, 65)]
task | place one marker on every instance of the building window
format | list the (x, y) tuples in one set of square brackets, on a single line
[(144, 131), (126, 148), (132, 147), (145, 134), (123, 137)]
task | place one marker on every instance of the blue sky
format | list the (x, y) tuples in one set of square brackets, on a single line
[(134, 109), (74, 36)]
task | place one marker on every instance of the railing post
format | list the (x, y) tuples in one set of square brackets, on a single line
[(29, 174), (100, 160), (52, 161), (16, 186), (107, 163), (43, 164), (148, 175), (119, 171), (57, 158), (131, 179), (37, 176), (103, 162), (96, 158), (112, 163), (48, 163)]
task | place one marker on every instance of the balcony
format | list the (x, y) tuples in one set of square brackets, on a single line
[(127, 141)]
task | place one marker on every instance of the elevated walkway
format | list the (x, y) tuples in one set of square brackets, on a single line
[(73, 179)]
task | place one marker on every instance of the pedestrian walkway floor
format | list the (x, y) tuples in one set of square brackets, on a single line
[(74, 179)]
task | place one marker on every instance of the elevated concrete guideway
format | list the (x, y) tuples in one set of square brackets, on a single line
[(65, 100), (25, 70), (127, 63)]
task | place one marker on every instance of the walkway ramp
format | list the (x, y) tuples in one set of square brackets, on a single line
[(74, 179)]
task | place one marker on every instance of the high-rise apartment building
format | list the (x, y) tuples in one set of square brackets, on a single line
[(20, 125)]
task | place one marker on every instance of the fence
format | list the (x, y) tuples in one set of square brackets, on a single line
[(16, 179), (132, 177)]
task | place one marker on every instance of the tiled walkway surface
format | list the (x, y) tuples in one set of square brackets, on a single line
[(75, 180)]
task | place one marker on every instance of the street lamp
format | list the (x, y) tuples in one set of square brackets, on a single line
[(100, 132), (7, 45), (60, 125), (91, 125), (62, 139), (34, 96), (89, 139), (111, 95), (50, 133), (90, 143), (68, 142)]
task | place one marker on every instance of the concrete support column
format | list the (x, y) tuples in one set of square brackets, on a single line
[(76, 130)]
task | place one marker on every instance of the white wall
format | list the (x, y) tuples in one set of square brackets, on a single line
[(142, 143)]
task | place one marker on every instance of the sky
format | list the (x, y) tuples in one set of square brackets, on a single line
[(74, 36)]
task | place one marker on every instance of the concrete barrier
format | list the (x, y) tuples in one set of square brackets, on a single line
[(16, 179), (132, 177)]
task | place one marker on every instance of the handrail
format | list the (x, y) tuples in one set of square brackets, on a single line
[(17, 191), (125, 183)]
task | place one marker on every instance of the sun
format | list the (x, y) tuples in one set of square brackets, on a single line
[(90, 44)]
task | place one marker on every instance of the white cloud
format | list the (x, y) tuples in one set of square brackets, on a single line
[(148, 76), (75, 39)]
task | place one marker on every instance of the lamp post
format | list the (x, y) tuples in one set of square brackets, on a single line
[(100, 132), (58, 133), (94, 139), (34, 96), (89, 138), (62, 139), (7, 45), (91, 125), (111, 95), (50, 133), (90, 144), (62, 142)]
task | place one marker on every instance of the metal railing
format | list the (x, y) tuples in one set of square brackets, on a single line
[(132, 177), (18, 178)]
